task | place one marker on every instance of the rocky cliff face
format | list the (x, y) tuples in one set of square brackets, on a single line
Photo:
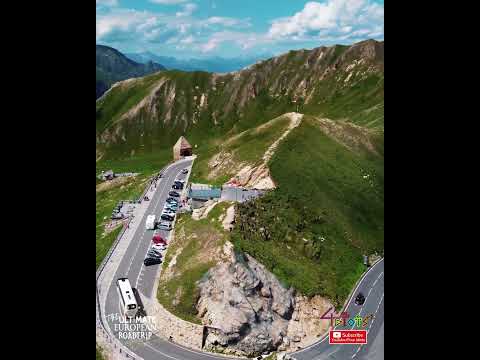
[(247, 312), (244, 307)]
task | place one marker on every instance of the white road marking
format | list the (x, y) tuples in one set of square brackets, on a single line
[(158, 351), (191, 351), (333, 352), (371, 324), (356, 352), (141, 269), (377, 278)]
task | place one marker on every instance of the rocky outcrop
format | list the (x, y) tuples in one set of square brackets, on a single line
[(202, 213), (306, 326), (244, 308)]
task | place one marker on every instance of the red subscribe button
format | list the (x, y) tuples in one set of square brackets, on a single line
[(347, 337)]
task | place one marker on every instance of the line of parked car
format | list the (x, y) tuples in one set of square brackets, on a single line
[(159, 244)]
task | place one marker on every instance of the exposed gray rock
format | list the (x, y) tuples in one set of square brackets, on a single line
[(244, 307)]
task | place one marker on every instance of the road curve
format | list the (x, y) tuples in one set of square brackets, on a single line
[(372, 286), (142, 278)]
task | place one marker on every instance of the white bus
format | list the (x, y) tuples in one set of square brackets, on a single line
[(127, 298)]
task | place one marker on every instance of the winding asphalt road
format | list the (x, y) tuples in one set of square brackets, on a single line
[(372, 286), (142, 278)]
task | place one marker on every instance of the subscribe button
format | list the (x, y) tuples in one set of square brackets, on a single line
[(347, 337)]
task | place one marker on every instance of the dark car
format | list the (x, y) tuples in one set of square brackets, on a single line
[(172, 201), (152, 261), (173, 193), (176, 187), (166, 217), (360, 299)]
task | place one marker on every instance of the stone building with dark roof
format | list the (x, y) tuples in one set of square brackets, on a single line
[(181, 148)]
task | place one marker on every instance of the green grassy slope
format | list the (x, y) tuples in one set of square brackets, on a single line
[(196, 243), (339, 82), (246, 147), (322, 217), (105, 202)]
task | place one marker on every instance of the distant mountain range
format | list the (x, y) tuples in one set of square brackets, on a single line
[(214, 64), (113, 66)]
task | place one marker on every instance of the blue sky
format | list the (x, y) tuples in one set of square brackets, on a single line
[(234, 28)]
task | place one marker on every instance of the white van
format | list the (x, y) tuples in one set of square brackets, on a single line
[(150, 223)]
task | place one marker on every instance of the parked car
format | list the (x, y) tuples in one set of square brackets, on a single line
[(152, 261), (155, 247), (360, 299), (174, 193), (159, 247), (173, 207), (165, 225), (166, 217), (155, 251), (176, 187), (185, 171), (168, 211), (157, 239), (179, 181)]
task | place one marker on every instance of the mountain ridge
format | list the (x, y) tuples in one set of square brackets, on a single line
[(113, 66), (336, 82)]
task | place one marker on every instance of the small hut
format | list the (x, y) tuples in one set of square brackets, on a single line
[(181, 148)]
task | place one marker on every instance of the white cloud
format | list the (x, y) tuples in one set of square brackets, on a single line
[(188, 40), (168, 2), (188, 9), (242, 39), (330, 16), (227, 21), (319, 23), (121, 20), (210, 45)]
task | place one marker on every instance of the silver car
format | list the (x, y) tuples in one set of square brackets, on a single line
[(165, 225)]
